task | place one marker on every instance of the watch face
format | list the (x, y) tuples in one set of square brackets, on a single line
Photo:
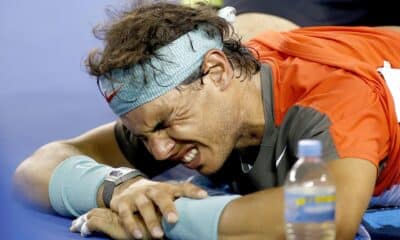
[(115, 173), (122, 174)]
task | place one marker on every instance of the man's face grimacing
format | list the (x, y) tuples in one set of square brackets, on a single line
[(197, 125)]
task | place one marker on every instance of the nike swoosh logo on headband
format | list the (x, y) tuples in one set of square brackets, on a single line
[(111, 95)]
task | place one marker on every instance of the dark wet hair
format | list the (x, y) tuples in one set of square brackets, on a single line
[(133, 36)]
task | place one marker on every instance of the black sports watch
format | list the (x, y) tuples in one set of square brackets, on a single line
[(115, 178)]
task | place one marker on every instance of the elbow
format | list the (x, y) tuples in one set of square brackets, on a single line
[(21, 179), (30, 185), (31, 178), (343, 234)]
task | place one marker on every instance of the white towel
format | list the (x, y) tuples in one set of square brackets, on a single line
[(392, 78)]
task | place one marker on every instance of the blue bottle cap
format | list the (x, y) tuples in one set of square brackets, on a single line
[(309, 148)]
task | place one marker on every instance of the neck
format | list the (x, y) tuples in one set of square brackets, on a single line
[(251, 131)]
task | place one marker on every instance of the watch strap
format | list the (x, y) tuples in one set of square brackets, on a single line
[(108, 191), (109, 186)]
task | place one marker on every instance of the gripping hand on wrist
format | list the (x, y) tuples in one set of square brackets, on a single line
[(150, 199)]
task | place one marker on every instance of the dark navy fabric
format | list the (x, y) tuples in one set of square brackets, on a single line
[(382, 223), (325, 12)]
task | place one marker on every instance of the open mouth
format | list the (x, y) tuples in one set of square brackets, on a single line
[(189, 156)]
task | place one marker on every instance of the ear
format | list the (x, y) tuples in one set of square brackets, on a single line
[(217, 69)]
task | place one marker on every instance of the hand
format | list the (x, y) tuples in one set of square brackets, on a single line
[(148, 199), (103, 220)]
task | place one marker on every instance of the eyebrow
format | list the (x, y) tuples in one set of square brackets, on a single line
[(162, 119)]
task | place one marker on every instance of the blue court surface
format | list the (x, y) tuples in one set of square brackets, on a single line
[(45, 95)]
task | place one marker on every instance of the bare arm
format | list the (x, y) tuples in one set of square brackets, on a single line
[(260, 215), (32, 176)]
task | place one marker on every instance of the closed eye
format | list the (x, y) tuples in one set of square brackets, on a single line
[(161, 125)]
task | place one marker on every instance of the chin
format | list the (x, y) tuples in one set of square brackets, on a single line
[(208, 170)]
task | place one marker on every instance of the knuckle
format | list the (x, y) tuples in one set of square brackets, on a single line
[(90, 214), (155, 193), (94, 212), (186, 184), (156, 187), (109, 214), (165, 201), (187, 187), (124, 213), (123, 205), (142, 201), (190, 185), (169, 206), (92, 223), (151, 192), (114, 203), (164, 186)]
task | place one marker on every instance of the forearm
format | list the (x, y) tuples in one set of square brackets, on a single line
[(31, 179), (260, 215), (255, 216)]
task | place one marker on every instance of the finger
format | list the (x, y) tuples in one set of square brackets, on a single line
[(99, 212), (148, 212), (76, 225), (192, 191), (110, 226), (125, 212), (85, 230), (165, 204)]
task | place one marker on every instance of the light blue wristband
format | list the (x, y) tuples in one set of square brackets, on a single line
[(74, 184), (198, 218)]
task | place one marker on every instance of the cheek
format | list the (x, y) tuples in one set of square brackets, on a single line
[(191, 130), (214, 121), (181, 130), (204, 116)]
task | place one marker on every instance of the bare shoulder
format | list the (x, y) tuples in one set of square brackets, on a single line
[(394, 28), (101, 144), (106, 129), (249, 25)]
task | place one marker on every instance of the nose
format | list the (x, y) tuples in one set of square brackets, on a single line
[(160, 146)]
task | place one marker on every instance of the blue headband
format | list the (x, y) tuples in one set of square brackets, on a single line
[(127, 89)]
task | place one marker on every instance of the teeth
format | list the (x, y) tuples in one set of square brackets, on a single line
[(190, 155)]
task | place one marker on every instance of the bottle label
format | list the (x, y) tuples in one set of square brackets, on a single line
[(309, 207)]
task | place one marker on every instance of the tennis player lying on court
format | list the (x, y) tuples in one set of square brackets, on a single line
[(187, 91)]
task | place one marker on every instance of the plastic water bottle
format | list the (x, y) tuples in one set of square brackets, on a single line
[(309, 196)]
